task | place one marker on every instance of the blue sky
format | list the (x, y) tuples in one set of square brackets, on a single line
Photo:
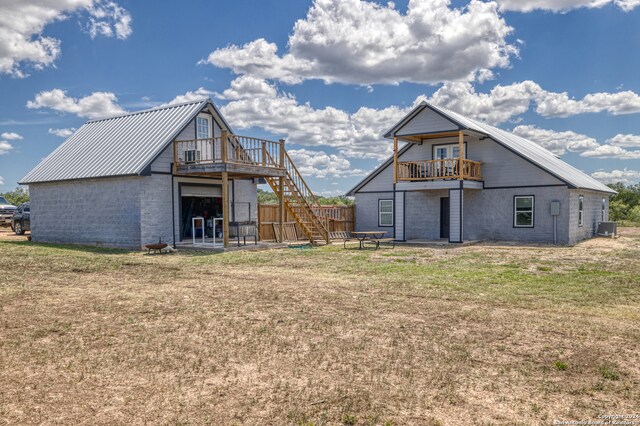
[(329, 76)]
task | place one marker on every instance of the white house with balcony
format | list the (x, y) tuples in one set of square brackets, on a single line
[(458, 179)]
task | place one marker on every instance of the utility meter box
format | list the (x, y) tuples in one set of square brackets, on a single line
[(555, 208)]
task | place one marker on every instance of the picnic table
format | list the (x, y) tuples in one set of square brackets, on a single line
[(376, 237)]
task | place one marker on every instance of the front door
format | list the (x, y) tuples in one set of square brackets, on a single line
[(444, 217)]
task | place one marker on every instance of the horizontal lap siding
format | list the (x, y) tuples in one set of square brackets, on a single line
[(380, 183), (165, 160), (367, 212), (427, 121), (502, 167)]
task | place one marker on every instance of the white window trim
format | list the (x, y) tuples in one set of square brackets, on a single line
[(449, 146), (580, 210), (209, 122), (197, 154), (604, 205), (515, 211), (380, 213)]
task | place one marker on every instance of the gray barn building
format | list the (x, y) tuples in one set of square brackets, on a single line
[(460, 179), (127, 181)]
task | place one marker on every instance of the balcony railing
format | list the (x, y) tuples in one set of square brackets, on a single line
[(228, 149), (448, 168)]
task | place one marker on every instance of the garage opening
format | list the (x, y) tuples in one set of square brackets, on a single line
[(200, 202)]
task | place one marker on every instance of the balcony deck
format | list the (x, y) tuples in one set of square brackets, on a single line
[(448, 168), (236, 155)]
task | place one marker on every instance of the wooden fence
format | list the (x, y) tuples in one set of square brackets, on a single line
[(339, 218)]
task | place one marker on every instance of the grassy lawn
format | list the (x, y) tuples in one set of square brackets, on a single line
[(484, 334)]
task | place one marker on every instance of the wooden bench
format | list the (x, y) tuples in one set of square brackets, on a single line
[(378, 241), (345, 236)]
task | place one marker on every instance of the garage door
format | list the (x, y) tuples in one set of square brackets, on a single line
[(201, 191)]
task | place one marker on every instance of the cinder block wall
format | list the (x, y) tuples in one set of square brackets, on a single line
[(422, 210), (245, 191), (488, 215), (103, 212), (156, 220), (592, 213)]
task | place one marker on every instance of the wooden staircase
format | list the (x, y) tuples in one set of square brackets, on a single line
[(301, 202), (298, 199)]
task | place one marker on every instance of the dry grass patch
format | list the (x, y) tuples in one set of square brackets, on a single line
[(468, 335)]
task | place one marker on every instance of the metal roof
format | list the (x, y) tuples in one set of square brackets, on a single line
[(117, 146), (525, 148)]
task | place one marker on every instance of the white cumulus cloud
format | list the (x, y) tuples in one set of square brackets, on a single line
[(63, 133), (504, 103), (11, 136), (95, 105), (625, 176), (22, 23), (190, 96), (323, 165), (625, 141), (610, 151), (362, 42), (355, 134), (247, 86), (564, 5), (557, 142), (5, 147), (109, 19)]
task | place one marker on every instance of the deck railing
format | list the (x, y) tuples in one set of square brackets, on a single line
[(237, 149), (448, 168)]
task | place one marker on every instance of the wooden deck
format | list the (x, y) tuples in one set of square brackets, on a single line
[(438, 169), (448, 168), (233, 156), (236, 155)]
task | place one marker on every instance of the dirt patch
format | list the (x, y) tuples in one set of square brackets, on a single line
[(485, 334)]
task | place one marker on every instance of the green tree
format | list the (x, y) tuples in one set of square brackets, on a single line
[(625, 205), (634, 214), (266, 197), (17, 196)]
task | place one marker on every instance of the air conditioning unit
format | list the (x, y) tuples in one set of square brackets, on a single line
[(607, 229)]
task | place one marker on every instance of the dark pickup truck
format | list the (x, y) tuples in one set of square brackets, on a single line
[(21, 220)]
